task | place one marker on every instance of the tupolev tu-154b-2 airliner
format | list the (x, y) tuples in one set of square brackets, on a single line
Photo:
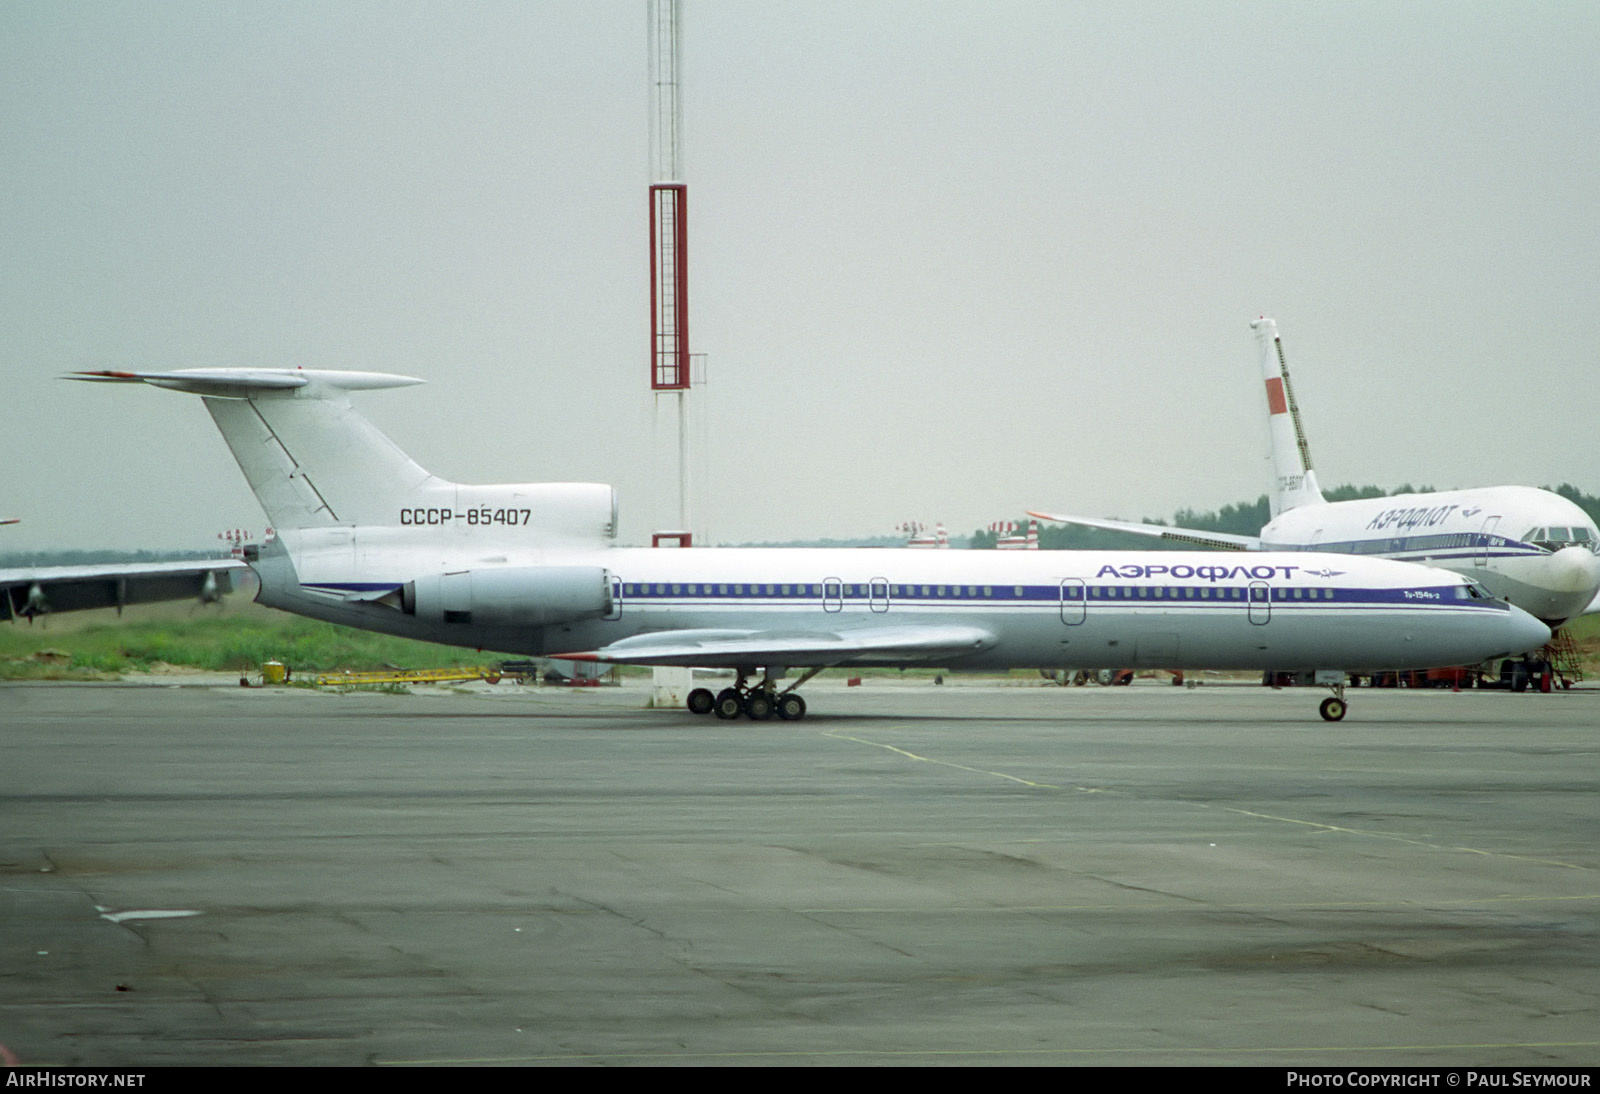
[(367, 538)]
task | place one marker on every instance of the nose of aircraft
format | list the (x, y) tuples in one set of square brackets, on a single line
[(1523, 632), (1569, 579), (1577, 570)]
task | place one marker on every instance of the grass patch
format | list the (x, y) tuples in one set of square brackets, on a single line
[(1585, 633), (234, 639)]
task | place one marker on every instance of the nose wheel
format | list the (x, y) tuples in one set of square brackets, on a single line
[(1333, 708)]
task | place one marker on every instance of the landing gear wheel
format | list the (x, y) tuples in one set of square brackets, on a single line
[(700, 701), (729, 704), (1332, 710), (759, 706), (791, 708)]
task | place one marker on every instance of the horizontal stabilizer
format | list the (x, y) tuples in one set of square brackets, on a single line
[(312, 460), (1211, 541), (242, 382), (712, 648)]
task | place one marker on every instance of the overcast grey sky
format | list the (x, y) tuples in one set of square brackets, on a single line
[(948, 261)]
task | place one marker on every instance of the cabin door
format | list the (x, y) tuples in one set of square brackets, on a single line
[(1260, 599), (1073, 602)]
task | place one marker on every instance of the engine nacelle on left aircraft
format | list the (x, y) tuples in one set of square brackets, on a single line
[(511, 596)]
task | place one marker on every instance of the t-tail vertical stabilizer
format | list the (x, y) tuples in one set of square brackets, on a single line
[(321, 469), (1294, 481), (312, 460)]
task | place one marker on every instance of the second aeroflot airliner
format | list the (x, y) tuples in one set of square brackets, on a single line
[(367, 538), (1531, 547)]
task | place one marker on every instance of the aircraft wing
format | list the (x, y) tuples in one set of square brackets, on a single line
[(42, 589), (1211, 541), (715, 648)]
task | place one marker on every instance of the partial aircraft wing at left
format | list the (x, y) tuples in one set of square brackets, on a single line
[(43, 589)]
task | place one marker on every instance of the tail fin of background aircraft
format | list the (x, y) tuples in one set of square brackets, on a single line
[(1294, 482), (310, 457)]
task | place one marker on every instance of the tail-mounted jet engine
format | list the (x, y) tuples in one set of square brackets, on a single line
[(511, 596)]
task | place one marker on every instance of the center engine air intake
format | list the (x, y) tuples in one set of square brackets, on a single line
[(511, 596)]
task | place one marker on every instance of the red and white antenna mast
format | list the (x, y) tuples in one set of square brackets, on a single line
[(669, 248)]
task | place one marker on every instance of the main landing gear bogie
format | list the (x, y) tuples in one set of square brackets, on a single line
[(759, 703)]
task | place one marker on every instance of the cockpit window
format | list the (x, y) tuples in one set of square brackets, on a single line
[(1558, 536)]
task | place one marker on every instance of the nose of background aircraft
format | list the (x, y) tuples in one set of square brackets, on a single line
[(1575, 570), (1562, 584)]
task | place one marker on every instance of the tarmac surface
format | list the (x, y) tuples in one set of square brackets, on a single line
[(911, 875)]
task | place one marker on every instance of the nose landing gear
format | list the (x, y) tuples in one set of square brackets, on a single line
[(1332, 709)]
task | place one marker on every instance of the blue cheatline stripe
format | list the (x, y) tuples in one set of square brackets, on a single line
[(690, 592), (1461, 544), (1078, 592)]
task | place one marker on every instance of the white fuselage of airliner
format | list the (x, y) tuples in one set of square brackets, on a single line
[(367, 538), (749, 607)]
